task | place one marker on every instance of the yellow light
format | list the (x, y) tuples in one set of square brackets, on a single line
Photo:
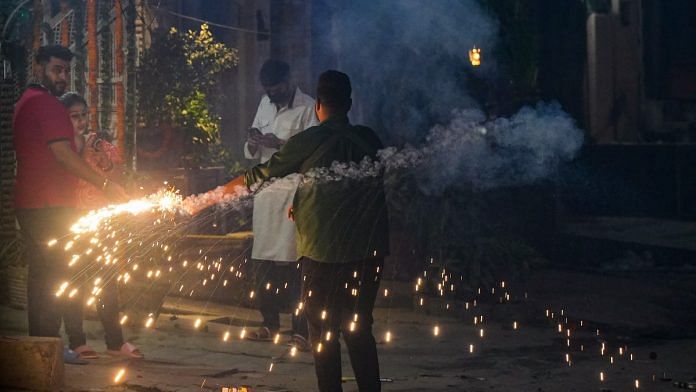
[(52, 242), (197, 323), (293, 351), (475, 56), (471, 349), (149, 322), (319, 347), (436, 330), (226, 336), (276, 339), (119, 375), (242, 334), (387, 337), (123, 319), (514, 325)]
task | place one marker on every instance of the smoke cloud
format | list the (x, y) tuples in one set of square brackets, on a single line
[(412, 82)]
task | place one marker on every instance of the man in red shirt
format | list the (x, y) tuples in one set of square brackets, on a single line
[(47, 171)]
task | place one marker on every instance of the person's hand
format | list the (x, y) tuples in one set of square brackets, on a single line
[(115, 192), (271, 141), (254, 138)]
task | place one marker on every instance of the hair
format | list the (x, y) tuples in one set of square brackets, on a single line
[(72, 98), (44, 54), (274, 72), (334, 90)]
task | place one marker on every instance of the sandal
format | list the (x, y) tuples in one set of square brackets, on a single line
[(263, 334), (127, 350), (85, 352), (301, 343), (72, 358)]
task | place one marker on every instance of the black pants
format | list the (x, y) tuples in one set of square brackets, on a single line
[(48, 268), (273, 296), (341, 302), (107, 309)]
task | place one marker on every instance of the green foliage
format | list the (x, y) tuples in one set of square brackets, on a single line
[(178, 78)]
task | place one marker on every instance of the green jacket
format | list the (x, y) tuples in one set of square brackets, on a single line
[(337, 221)]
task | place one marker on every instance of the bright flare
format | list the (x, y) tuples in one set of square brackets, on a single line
[(119, 375)]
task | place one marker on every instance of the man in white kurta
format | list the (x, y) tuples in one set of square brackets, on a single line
[(283, 112)]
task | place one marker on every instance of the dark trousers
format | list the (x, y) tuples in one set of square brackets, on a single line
[(48, 268), (271, 278), (342, 291), (107, 309)]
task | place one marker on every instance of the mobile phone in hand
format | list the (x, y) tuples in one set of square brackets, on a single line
[(254, 132)]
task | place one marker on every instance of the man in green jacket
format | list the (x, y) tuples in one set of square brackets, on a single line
[(342, 234)]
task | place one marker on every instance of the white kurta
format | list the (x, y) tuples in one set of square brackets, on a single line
[(274, 232), (284, 123)]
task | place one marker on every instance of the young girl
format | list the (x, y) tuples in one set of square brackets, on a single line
[(105, 159)]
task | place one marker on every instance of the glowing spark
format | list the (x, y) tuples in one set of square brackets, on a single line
[(514, 325), (323, 314), (72, 293), (637, 383), (149, 322), (251, 294), (601, 376), (481, 332), (386, 292), (119, 375), (123, 319), (276, 339), (52, 242), (471, 349), (387, 337), (226, 336), (161, 201), (436, 330), (293, 351), (270, 368), (90, 301), (319, 347), (197, 323), (69, 245), (352, 326), (242, 334)]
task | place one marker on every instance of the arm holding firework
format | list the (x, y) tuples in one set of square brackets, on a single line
[(286, 161), (67, 158)]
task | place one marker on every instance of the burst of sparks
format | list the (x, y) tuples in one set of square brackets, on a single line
[(164, 200)]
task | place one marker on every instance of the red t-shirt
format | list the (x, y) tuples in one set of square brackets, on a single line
[(40, 119)]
